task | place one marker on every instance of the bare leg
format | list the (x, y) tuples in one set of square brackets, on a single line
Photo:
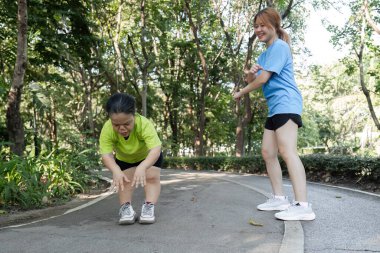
[(126, 195), (152, 187), (287, 146), (269, 152), (153, 184)]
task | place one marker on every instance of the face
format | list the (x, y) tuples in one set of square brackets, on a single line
[(123, 123), (264, 32)]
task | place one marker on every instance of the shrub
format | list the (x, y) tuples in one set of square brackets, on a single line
[(357, 168), (31, 182), (231, 164)]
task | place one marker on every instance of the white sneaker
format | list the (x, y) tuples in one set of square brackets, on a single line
[(127, 214), (296, 212), (147, 214), (274, 204)]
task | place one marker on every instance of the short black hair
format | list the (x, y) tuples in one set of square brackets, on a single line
[(121, 103)]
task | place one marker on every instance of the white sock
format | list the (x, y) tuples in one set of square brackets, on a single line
[(279, 197)]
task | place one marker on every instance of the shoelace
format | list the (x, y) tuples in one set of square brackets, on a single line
[(147, 210), (125, 209)]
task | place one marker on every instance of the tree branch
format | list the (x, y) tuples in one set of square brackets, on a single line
[(370, 21)]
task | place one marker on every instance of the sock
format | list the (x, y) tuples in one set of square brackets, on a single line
[(148, 202), (126, 203), (279, 197)]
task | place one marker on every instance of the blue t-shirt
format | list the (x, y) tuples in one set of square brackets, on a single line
[(281, 91)]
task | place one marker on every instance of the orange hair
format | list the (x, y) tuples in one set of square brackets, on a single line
[(271, 17)]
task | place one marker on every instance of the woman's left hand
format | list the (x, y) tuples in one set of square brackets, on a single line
[(139, 177)]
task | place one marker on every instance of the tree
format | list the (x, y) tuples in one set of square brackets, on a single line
[(199, 140), (234, 34), (368, 16), (15, 125), (358, 36), (360, 55), (334, 110)]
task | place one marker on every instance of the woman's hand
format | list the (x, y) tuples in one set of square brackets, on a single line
[(139, 178), (250, 74), (119, 178), (254, 69), (237, 95)]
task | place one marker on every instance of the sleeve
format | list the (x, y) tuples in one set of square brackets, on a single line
[(106, 140), (149, 135), (276, 59)]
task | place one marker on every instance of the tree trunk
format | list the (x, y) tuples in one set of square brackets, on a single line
[(239, 151), (88, 118), (116, 39), (52, 123), (90, 113), (199, 141), (362, 81), (243, 117), (171, 118), (15, 125), (143, 67), (122, 69), (144, 93)]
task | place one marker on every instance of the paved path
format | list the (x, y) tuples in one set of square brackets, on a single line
[(208, 212)]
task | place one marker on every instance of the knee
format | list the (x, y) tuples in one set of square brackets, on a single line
[(152, 177), (287, 154), (152, 180), (268, 154), (127, 187)]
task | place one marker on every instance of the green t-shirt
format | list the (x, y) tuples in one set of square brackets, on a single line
[(136, 148)]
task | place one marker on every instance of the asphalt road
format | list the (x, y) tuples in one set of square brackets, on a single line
[(208, 212)]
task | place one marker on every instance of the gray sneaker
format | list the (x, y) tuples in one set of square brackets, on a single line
[(296, 212), (147, 214), (274, 204), (127, 214)]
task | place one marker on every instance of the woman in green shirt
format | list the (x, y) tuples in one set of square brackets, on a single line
[(131, 150)]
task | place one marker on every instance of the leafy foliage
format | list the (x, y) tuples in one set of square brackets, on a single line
[(362, 169), (38, 181)]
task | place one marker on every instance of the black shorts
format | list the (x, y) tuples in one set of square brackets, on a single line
[(278, 120), (125, 165)]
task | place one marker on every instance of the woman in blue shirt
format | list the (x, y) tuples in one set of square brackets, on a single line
[(274, 73)]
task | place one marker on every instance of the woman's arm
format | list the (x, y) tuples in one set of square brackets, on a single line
[(109, 162), (259, 81), (150, 160), (118, 176), (250, 74)]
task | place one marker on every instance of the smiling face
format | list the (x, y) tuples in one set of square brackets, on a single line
[(123, 123), (264, 32)]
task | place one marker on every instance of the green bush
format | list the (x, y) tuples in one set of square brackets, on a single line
[(358, 168), (230, 164), (20, 183), (353, 167), (31, 182)]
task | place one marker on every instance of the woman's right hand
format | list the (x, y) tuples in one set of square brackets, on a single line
[(250, 74), (119, 178), (237, 95)]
